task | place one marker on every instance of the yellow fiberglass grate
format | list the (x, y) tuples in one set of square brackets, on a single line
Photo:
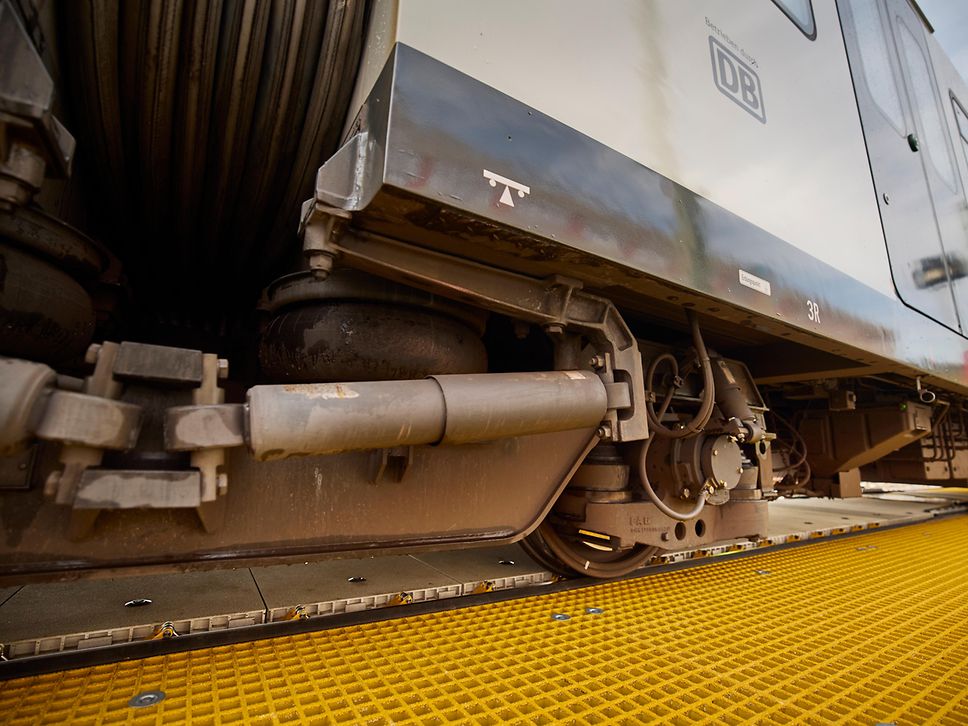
[(868, 629)]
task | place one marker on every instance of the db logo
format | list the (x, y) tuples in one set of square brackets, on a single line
[(737, 80)]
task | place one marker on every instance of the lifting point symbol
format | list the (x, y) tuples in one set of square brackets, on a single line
[(509, 184)]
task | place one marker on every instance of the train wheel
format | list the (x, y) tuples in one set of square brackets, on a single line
[(570, 558)]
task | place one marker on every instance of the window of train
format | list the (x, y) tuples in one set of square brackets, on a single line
[(961, 116), (876, 62), (801, 13), (925, 102)]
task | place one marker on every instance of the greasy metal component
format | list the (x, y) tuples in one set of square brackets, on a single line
[(44, 313), (24, 387), (304, 419), (643, 523), (341, 341), (205, 426), (32, 141), (159, 364), (842, 440), (879, 653), (308, 507), (119, 489), (732, 397), (556, 303), (92, 421), (206, 122), (678, 466)]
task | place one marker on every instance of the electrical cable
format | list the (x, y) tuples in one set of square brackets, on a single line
[(708, 398)]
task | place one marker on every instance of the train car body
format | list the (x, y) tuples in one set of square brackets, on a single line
[(605, 278)]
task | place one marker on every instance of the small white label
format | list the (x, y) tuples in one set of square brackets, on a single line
[(754, 283)]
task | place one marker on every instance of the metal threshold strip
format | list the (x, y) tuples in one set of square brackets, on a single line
[(870, 628)]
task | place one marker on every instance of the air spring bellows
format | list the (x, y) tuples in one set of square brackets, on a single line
[(328, 418)]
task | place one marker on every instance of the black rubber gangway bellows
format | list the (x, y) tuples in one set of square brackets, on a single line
[(200, 127)]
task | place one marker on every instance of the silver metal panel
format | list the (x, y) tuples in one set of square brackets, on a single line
[(87, 606), (357, 584), (638, 77)]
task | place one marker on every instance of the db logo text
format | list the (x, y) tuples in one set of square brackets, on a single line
[(737, 80)]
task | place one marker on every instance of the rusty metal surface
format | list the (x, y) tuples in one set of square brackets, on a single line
[(307, 507)]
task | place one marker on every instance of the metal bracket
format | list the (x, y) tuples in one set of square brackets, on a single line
[(393, 464), (556, 303)]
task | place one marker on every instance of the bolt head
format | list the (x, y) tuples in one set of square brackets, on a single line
[(223, 369), (92, 353), (686, 493)]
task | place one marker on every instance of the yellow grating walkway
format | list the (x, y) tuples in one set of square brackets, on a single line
[(869, 629)]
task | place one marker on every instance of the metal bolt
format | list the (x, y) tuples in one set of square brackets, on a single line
[(686, 493), (93, 351), (597, 362), (763, 572), (887, 199), (594, 611), (560, 616), (604, 431), (665, 536), (715, 452), (223, 369), (739, 470), (52, 484), (137, 602), (356, 579), (147, 698)]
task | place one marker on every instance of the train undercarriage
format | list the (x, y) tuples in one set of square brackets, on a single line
[(425, 371)]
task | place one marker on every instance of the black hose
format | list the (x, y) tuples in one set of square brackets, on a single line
[(708, 400)]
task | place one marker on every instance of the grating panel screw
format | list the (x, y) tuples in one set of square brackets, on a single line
[(146, 698), (594, 611), (763, 572), (560, 616)]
